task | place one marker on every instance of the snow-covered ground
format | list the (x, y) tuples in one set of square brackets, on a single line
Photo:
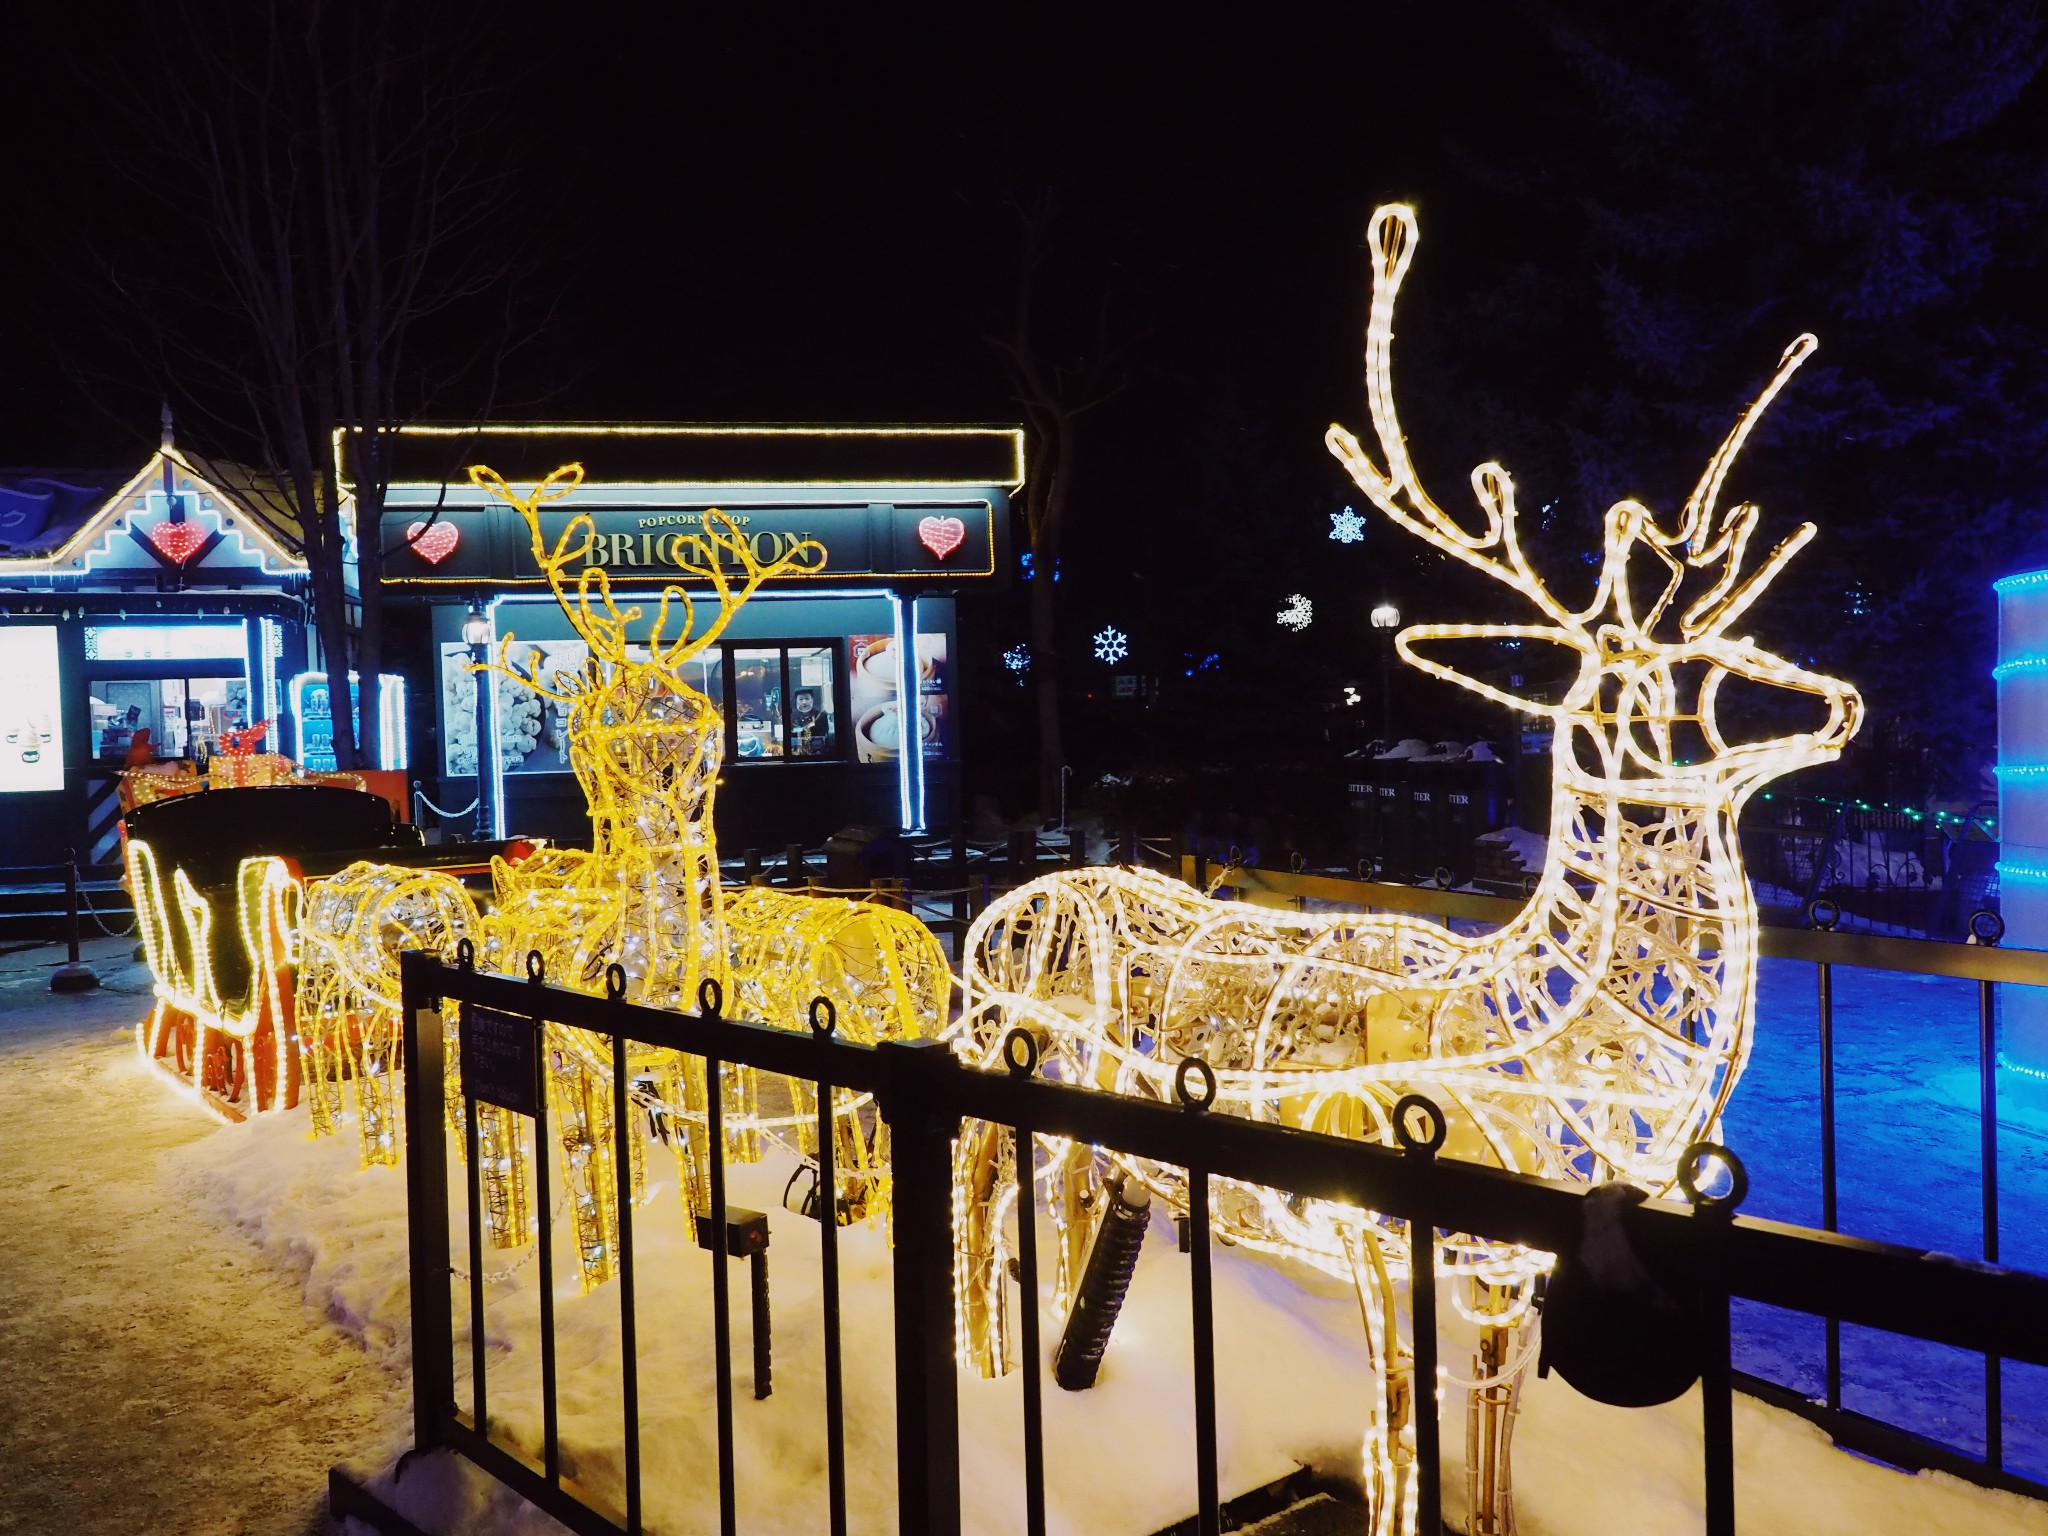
[(227, 1315), (159, 1374), (1293, 1386)]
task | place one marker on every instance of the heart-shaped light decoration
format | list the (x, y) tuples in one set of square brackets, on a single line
[(177, 542), (941, 535), (433, 542)]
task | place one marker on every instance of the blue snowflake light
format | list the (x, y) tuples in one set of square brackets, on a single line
[(1018, 659), (1347, 527), (1112, 645)]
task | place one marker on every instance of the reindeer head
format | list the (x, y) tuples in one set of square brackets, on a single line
[(644, 744), (1638, 722)]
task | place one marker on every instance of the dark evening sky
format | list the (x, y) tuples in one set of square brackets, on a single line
[(779, 217), (757, 214)]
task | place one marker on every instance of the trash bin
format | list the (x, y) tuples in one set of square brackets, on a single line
[(1475, 801), (857, 857)]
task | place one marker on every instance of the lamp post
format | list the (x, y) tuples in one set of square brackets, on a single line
[(476, 633), (1386, 617)]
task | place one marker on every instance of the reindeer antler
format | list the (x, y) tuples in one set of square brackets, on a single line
[(587, 596), (1397, 490), (1496, 550)]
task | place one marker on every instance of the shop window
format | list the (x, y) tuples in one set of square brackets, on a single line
[(785, 703), (813, 706), (183, 716), (757, 699)]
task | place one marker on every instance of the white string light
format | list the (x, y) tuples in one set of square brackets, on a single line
[(1593, 1037)]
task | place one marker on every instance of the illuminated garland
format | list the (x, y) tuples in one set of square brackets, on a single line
[(1592, 1038), (645, 747)]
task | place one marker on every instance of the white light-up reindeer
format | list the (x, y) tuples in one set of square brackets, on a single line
[(1592, 1038)]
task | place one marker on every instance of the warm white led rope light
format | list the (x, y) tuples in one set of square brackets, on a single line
[(1594, 1037), (646, 748)]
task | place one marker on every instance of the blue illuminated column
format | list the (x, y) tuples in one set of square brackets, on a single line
[(2022, 674)]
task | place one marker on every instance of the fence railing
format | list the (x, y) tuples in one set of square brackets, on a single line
[(1980, 962), (924, 1094)]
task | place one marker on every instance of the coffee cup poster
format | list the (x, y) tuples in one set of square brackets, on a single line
[(877, 712)]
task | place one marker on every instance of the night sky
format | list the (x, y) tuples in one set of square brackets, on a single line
[(754, 218), (754, 214)]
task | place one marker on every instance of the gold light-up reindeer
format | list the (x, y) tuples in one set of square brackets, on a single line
[(646, 748), (1593, 1038)]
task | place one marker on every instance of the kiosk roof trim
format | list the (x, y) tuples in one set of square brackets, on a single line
[(697, 454)]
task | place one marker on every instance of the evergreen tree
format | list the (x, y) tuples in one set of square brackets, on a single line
[(1694, 186)]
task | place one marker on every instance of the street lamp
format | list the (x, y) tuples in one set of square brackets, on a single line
[(1386, 617), (476, 634)]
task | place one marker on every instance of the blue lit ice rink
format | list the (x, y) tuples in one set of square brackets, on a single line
[(1908, 1159)]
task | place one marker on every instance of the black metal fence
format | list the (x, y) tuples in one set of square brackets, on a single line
[(1989, 968), (924, 1093)]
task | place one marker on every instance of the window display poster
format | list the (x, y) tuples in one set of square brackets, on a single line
[(31, 724), (877, 720), (533, 732), (933, 694)]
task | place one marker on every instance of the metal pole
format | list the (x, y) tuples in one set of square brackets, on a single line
[(426, 1210), (1829, 1209), (927, 1386), (1386, 688), (73, 975), (1987, 1068), (485, 818)]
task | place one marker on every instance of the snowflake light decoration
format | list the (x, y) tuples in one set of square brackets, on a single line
[(1297, 614), (1347, 527), (1112, 645), (1018, 659)]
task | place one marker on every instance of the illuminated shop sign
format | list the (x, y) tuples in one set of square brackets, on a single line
[(165, 642), (932, 541), (31, 724)]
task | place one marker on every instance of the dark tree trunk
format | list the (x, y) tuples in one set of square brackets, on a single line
[(1045, 669)]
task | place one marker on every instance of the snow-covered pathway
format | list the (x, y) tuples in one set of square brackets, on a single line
[(159, 1374)]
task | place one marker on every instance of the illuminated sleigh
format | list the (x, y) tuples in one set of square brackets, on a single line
[(1593, 1038), (218, 879), (646, 897)]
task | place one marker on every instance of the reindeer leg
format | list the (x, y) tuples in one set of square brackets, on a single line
[(984, 1186), (376, 1079), (1390, 1436), (581, 1104), (684, 1086), (1490, 1408), (1076, 1201)]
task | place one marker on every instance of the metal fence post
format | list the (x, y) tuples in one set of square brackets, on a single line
[(74, 975), (426, 1205), (960, 877), (921, 1134)]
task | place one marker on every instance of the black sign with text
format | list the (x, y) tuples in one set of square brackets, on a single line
[(930, 541), (501, 1059)]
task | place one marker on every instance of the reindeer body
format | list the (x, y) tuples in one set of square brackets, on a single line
[(1594, 1037), (646, 898)]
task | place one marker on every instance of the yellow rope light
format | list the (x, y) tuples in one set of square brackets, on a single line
[(1592, 1038), (234, 1055), (646, 748)]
